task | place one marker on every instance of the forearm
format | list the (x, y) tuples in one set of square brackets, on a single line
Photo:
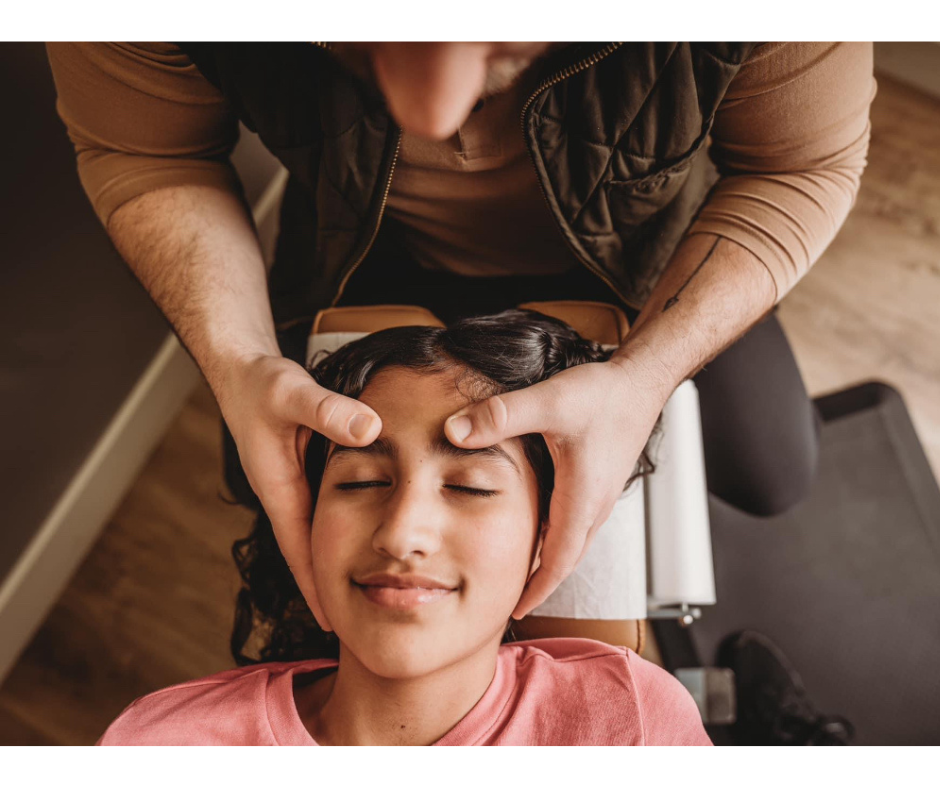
[(195, 250), (786, 220), (711, 293)]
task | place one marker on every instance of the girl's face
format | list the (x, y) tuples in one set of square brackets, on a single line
[(420, 549)]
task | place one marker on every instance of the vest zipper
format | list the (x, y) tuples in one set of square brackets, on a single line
[(560, 76), (375, 230)]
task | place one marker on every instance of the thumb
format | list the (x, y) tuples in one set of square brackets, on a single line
[(499, 418), (340, 419)]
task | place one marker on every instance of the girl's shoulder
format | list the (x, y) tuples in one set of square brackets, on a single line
[(640, 695), (225, 708)]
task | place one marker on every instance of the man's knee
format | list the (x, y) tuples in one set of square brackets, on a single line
[(769, 499), (774, 478), (760, 428)]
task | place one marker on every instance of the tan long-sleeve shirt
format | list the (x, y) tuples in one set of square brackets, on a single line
[(790, 139)]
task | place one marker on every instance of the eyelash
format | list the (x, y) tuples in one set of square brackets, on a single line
[(475, 491)]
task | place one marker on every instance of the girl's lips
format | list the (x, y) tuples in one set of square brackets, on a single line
[(404, 591), (402, 598)]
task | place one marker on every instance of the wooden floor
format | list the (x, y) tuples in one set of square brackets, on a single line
[(152, 603)]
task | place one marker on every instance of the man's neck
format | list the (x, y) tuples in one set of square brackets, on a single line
[(353, 706)]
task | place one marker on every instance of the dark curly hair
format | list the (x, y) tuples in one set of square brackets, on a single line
[(492, 354)]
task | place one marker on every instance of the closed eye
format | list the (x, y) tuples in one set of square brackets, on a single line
[(455, 487)]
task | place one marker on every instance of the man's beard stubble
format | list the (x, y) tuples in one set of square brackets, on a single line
[(503, 73)]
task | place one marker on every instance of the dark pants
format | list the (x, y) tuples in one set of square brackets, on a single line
[(759, 426)]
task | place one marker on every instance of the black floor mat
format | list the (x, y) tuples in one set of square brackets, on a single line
[(848, 582)]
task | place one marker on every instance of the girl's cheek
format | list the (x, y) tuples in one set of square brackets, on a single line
[(324, 532), (502, 538)]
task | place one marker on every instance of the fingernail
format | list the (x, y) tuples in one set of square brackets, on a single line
[(359, 425), (460, 427)]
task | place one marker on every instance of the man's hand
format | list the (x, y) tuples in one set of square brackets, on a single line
[(272, 405), (596, 419)]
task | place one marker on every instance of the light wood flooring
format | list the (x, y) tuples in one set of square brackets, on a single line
[(152, 603)]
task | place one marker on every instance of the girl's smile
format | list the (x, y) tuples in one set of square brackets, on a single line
[(403, 592)]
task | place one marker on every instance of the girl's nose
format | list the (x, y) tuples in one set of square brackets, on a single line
[(410, 524)]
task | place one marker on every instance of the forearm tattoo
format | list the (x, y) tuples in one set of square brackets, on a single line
[(675, 299)]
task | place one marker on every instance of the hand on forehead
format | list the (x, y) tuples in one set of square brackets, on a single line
[(414, 406)]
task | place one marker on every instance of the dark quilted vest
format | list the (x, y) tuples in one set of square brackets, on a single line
[(617, 135)]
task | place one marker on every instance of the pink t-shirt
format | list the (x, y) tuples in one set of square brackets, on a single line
[(555, 692)]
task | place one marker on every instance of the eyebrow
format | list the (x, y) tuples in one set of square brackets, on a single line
[(383, 447)]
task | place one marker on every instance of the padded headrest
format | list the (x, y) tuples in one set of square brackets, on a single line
[(594, 320), (603, 323), (368, 319)]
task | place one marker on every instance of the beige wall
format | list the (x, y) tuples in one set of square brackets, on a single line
[(916, 63)]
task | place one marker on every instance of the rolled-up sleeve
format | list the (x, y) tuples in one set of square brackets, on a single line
[(790, 140), (141, 117)]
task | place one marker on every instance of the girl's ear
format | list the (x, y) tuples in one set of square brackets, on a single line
[(536, 553)]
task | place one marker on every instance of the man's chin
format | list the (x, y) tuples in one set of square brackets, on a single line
[(503, 75)]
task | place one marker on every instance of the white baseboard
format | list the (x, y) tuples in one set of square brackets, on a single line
[(916, 63), (66, 536), (44, 569)]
